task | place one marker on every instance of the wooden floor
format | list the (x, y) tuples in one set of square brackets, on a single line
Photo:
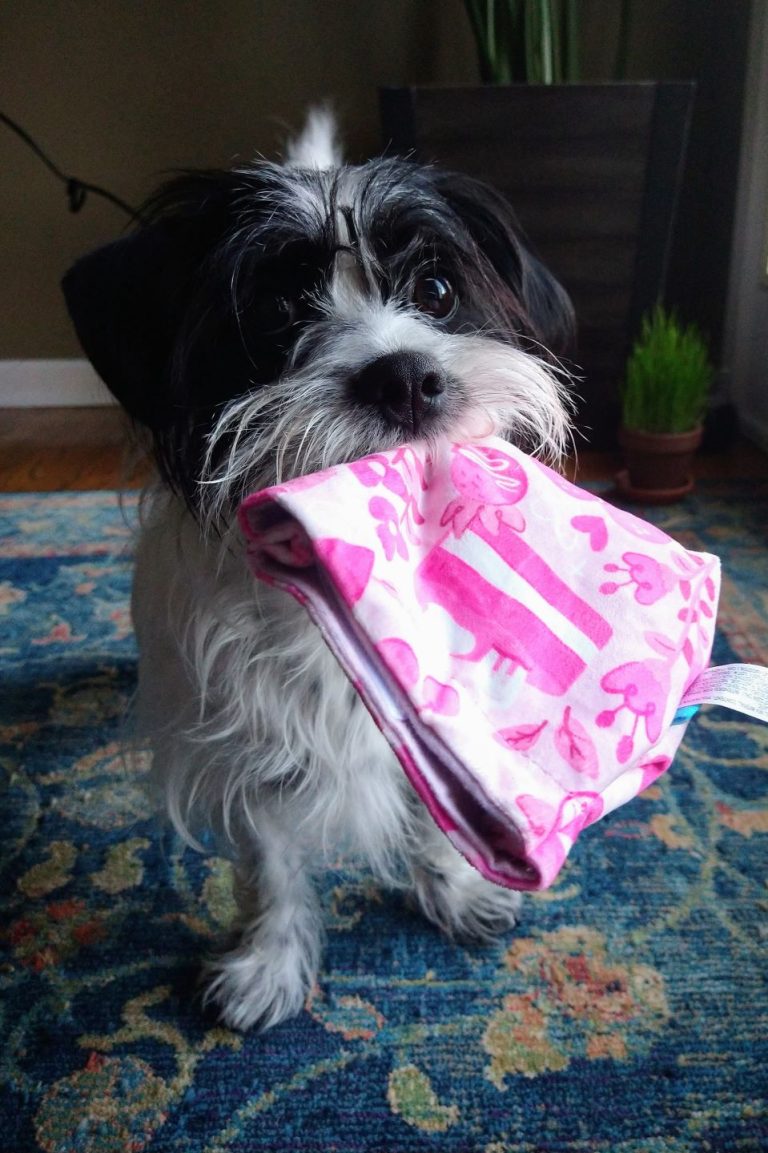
[(55, 449)]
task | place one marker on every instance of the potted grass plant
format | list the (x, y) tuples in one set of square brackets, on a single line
[(664, 397)]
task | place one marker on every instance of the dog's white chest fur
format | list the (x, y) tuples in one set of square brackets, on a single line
[(245, 704)]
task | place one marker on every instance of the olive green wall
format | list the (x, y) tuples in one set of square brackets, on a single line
[(120, 91)]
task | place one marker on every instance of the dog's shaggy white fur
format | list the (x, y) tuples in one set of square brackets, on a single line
[(256, 732)]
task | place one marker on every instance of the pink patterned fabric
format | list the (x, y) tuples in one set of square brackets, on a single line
[(523, 645)]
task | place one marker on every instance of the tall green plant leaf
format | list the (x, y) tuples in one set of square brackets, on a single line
[(525, 41)]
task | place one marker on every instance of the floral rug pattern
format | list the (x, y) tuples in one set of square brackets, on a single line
[(627, 1014)]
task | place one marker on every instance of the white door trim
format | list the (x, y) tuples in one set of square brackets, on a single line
[(50, 383), (746, 327)]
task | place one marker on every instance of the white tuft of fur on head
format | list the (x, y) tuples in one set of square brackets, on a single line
[(317, 145)]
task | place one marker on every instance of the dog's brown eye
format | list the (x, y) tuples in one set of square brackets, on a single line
[(435, 296), (274, 314)]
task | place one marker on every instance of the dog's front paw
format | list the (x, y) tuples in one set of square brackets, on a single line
[(259, 984), (460, 901)]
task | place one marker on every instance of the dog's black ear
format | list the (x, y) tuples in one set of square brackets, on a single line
[(549, 306), (495, 229), (129, 299), (125, 300)]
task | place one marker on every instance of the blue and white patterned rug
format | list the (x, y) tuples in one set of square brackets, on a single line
[(627, 1014)]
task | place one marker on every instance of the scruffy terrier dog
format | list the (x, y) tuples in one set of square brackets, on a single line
[(263, 323)]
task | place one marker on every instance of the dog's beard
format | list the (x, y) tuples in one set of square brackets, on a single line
[(309, 420)]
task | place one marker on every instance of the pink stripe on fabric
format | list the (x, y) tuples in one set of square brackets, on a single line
[(519, 555)]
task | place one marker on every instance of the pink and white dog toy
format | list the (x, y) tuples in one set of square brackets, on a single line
[(531, 653)]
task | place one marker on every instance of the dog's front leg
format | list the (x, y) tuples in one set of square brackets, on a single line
[(454, 895), (265, 978)]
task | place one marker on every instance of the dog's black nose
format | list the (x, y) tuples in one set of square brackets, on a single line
[(405, 386)]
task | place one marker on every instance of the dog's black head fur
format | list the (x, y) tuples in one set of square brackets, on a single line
[(207, 299)]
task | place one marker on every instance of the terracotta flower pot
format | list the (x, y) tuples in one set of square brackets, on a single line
[(659, 464)]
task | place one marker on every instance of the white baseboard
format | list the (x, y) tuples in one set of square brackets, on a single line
[(756, 429), (50, 383)]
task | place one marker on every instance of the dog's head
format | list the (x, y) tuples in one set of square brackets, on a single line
[(275, 319)]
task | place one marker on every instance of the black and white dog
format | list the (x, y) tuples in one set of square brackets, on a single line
[(263, 323)]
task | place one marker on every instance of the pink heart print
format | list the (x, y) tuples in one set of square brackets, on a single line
[(595, 528)]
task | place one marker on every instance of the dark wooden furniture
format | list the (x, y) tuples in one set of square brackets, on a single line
[(593, 172)]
